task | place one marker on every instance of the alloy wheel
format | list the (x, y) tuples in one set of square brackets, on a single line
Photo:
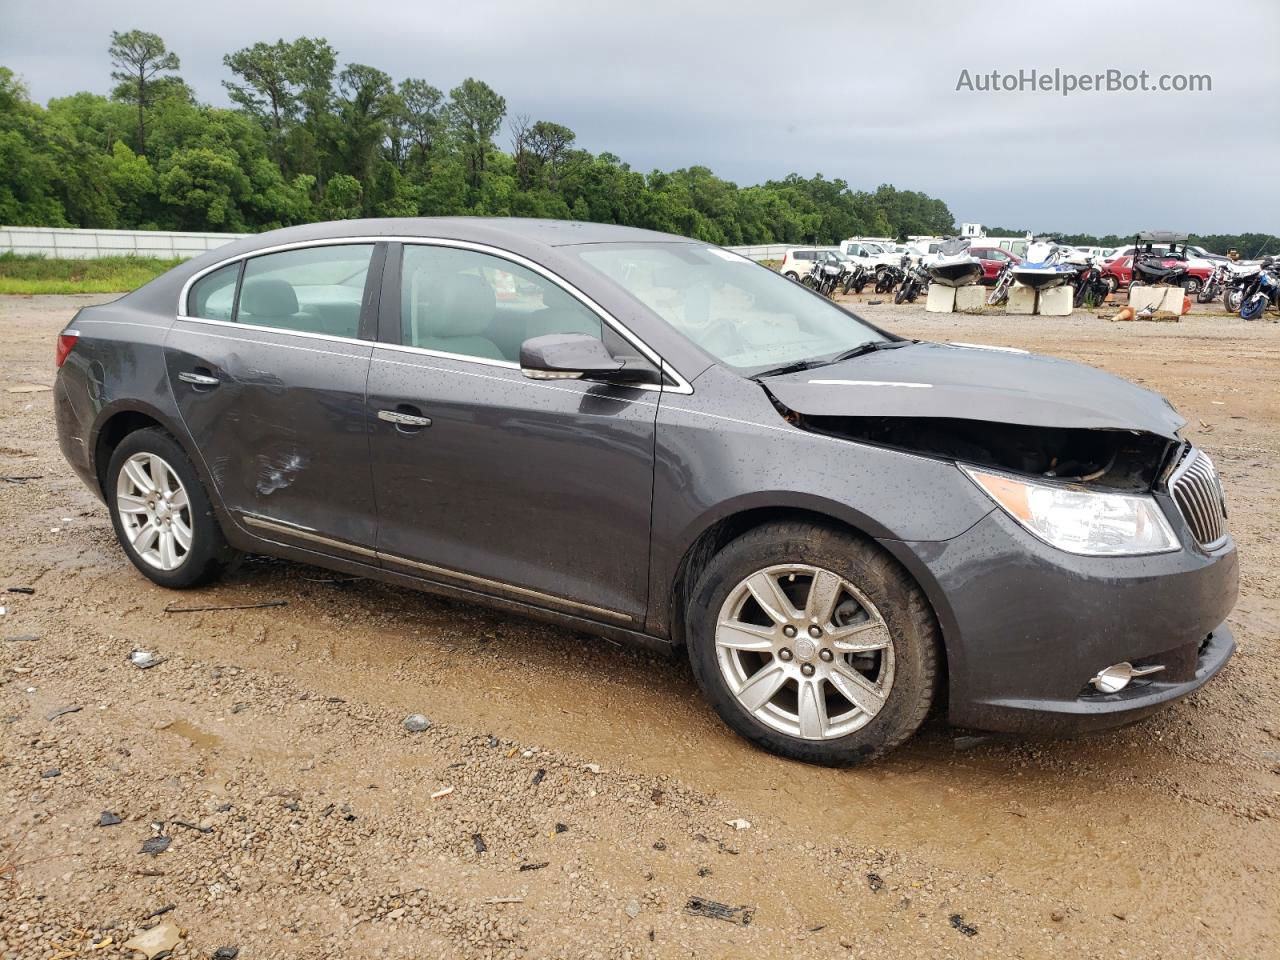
[(804, 651), (154, 510)]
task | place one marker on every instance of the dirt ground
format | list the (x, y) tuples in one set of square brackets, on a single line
[(589, 788)]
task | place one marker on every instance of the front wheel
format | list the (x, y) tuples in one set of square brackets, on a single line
[(1253, 308), (1191, 285), (1000, 292), (1232, 299), (813, 643), (161, 513)]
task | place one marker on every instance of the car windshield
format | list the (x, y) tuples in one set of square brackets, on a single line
[(745, 315)]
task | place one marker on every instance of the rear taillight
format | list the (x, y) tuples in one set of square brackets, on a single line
[(65, 342)]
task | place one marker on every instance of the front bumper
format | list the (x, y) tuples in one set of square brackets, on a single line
[(1026, 626)]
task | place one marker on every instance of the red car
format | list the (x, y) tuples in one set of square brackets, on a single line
[(1119, 272), (993, 261)]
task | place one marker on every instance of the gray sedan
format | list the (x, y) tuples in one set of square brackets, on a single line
[(654, 440)]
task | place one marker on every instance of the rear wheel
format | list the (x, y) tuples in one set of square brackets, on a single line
[(1192, 285), (813, 643), (161, 513)]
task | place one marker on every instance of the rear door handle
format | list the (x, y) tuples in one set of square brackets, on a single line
[(199, 379), (403, 419)]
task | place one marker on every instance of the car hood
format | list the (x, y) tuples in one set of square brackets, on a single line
[(975, 382)]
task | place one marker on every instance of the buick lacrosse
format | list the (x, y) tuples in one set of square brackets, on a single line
[(651, 439)]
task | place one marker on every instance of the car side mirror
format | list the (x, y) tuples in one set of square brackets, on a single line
[(569, 356)]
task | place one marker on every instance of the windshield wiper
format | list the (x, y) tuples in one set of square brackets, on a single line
[(795, 367), (871, 346)]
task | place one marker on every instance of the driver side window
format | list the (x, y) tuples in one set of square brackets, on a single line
[(481, 307)]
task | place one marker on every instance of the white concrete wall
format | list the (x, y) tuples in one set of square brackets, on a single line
[(773, 251), (85, 244), (66, 243)]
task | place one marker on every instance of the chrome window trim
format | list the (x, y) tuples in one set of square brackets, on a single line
[(683, 386), (310, 535), (305, 334)]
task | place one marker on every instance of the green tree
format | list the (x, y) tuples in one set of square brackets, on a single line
[(475, 114), (424, 115), (142, 68), (269, 88)]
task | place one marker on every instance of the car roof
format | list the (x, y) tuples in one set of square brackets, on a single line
[(524, 236)]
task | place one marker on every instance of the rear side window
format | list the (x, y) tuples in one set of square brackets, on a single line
[(314, 289), (213, 297)]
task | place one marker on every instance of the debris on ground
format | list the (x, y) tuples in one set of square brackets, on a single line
[(526, 867), (442, 792), (146, 659), (504, 900), (477, 841), (63, 711), (26, 590), (538, 776), (416, 723), (108, 819), (226, 953), (50, 773), (593, 768), (699, 907), (968, 930), (158, 941), (22, 638), (155, 845), (170, 608), (875, 882), (738, 824)]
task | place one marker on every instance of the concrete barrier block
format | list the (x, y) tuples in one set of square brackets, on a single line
[(1056, 302), (941, 299), (1157, 298), (1022, 300), (971, 299)]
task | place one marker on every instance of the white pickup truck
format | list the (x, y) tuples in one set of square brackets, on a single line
[(872, 255)]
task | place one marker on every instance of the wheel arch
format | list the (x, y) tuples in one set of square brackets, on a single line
[(724, 529), (117, 421)]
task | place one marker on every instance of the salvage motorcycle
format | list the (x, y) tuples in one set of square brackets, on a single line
[(824, 277), (1215, 285), (1261, 291), (1090, 288), (1239, 276), (913, 284), (890, 276), (855, 277), (1004, 283)]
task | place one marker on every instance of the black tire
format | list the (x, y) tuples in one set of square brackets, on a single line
[(792, 275), (1233, 299), (899, 600), (1192, 285), (209, 556), (903, 292)]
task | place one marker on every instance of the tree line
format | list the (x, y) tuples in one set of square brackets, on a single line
[(309, 139)]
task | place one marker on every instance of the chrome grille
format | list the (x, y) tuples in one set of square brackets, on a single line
[(1197, 491)]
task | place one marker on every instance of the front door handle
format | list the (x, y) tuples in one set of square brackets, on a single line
[(199, 379), (403, 419)]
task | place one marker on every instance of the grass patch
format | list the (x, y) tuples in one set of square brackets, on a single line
[(32, 274)]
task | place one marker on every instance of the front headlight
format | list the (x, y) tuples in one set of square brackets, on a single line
[(1081, 521)]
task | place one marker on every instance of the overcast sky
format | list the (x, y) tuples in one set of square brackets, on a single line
[(863, 90)]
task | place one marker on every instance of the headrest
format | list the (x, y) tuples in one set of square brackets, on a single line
[(268, 298), (457, 305)]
